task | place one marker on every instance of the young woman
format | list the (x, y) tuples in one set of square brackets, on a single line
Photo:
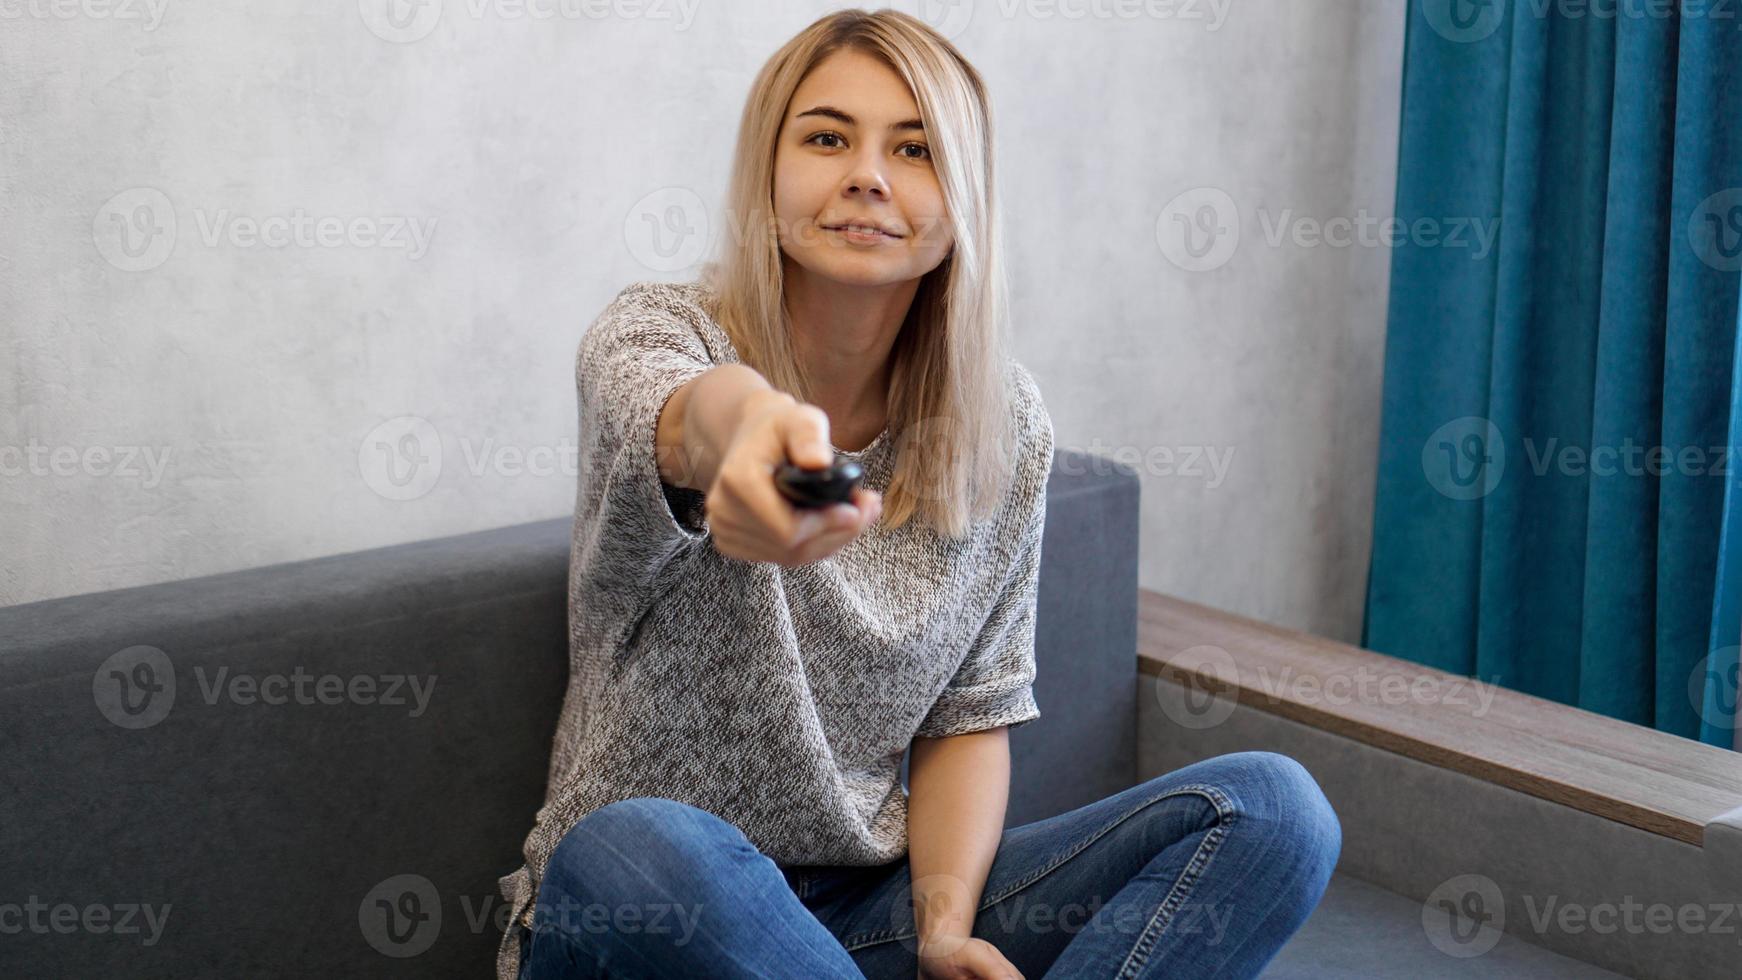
[(725, 795)]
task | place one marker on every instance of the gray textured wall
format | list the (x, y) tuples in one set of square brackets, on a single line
[(256, 257)]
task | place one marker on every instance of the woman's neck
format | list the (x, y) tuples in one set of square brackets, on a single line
[(843, 334)]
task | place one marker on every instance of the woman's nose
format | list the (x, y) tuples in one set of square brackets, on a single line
[(868, 179)]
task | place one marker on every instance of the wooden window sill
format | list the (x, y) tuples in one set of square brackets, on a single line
[(1644, 778)]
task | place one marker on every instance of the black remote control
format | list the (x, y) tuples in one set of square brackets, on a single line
[(809, 488)]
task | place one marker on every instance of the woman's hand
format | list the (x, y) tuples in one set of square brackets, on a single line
[(964, 959), (750, 519)]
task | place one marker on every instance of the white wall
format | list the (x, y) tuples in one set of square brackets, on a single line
[(492, 175)]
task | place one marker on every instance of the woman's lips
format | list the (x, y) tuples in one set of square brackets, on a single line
[(863, 237)]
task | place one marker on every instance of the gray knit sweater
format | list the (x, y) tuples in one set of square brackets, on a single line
[(780, 699)]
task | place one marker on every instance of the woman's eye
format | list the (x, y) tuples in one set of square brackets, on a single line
[(924, 151)]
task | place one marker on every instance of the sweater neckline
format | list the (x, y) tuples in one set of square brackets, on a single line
[(858, 453)]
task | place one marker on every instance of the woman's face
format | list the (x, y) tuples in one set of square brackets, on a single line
[(852, 150)]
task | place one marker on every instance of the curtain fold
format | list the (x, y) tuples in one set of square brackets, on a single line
[(1525, 530)]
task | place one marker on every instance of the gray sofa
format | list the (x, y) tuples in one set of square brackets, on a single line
[(321, 768)]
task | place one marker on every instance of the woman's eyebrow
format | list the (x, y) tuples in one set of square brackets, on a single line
[(906, 125)]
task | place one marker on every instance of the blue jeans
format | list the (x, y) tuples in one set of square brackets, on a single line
[(1203, 872)]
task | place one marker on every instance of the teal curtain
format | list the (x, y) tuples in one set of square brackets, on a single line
[(1525, 531)]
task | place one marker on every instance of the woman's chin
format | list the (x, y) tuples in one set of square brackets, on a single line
[(863, 271)]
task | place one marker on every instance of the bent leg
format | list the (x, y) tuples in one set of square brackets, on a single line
[(1223, 899), (650, 887), (1204, 871)]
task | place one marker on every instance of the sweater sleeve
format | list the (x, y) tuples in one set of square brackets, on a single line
[(629, 523), (995, 684)]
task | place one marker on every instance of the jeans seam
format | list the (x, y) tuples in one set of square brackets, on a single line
[(1158, 923), (1218, 799)]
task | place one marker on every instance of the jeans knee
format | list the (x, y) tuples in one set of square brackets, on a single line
[(646, 838), (1285, 794)]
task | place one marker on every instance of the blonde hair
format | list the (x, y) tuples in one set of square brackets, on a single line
[(949, 412)]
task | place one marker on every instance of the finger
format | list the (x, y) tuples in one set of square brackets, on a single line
[(849, 520), (738, 530), (827, 543), (805, 437), (784, 523), (870, 504), (743, 532), (841, 523), (744, 544), (806, 525)]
